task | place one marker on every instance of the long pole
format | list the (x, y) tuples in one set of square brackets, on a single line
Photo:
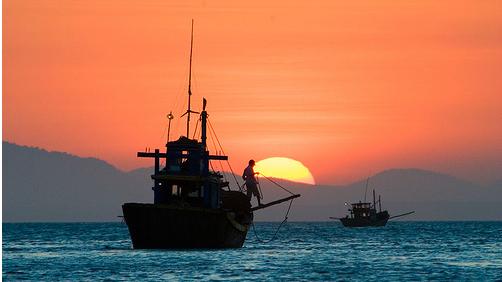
[(189, 83), (402, 214), (275, 202)]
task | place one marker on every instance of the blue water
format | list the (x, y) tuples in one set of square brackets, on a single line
[(302, 251)]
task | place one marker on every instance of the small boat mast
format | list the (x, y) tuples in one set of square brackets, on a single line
[(189, 111)]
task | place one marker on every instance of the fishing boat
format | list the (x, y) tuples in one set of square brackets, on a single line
[(364, 214), (193, 205)]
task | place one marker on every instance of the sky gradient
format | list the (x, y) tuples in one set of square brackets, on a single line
[(348, 89)]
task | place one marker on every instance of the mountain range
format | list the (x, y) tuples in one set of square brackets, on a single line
[(42, 186)]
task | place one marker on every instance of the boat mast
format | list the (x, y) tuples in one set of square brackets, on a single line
[(190, 82), (189, 111), (374, 203), (380, 203), (203, 125)]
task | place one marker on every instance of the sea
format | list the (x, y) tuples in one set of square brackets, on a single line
[(301, 251)]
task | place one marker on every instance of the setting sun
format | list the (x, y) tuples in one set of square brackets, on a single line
[(285, 168)]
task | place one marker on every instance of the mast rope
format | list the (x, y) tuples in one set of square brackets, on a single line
[(221, 147), (278, 228), (196, 127), (278, 185), (216, 149), (211, 165), (285, 216)]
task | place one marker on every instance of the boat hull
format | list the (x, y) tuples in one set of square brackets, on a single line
[(379, 220), (156, 226)]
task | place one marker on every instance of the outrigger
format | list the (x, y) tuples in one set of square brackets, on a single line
[(193, 206)]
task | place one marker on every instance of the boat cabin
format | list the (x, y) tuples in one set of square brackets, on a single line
[(360, 210), (186, 176)]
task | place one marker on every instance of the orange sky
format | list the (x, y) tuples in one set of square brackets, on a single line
[(346, 88)]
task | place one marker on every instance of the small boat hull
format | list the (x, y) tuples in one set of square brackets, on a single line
[(380, 219), (157, 226)]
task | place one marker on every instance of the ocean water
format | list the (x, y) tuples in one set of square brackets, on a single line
[(302, 251)]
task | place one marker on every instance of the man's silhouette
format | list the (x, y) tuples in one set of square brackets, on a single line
[(251, 182)]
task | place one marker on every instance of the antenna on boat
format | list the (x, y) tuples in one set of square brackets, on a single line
[(189, 86), (366, 190), (169, 117)]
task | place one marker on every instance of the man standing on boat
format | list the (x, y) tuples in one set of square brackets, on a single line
[(251, 182)]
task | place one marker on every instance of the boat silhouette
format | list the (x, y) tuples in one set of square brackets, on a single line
[(193, 205), (364, 214)]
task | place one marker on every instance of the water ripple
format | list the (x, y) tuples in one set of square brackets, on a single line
[(323, 251)]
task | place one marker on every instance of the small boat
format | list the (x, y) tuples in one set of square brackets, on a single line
[(193, 205), (363, 214), (366, 214)]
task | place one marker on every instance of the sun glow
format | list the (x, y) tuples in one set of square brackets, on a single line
[(285, 168)]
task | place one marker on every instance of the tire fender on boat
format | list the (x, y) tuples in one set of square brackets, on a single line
[(235, 224)]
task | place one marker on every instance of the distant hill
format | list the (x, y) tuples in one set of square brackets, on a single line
[(51, 186)]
